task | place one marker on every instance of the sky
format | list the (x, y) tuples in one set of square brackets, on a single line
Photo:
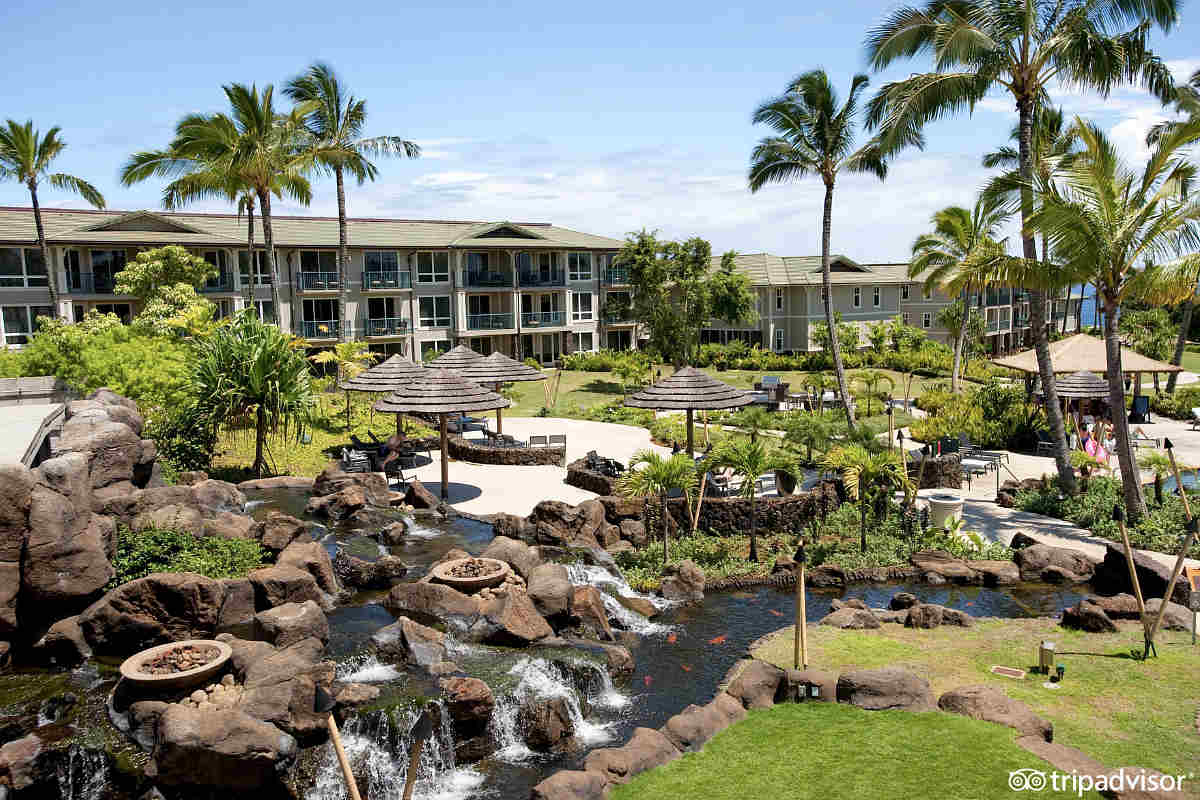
[(603, 117)]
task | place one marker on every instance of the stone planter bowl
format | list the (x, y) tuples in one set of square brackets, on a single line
[(441, 574), (130, 668), (944, 507)]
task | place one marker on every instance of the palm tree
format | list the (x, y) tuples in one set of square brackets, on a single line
[(1157, 462), (749, 460), (335, 122), (1105, 220), (254, 148), (351, 358), (816, 136), (959, 257), (871, 379), (752, 421), (651, 473), (251, 374), (867, 476), (25, 157), (1022, 48), (810, 431)]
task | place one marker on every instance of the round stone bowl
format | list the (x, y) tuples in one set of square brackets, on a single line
[(131, 667), (944, 507), (441, 574)]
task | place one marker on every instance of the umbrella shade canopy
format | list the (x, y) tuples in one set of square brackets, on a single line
[(387, 376), (1083, 353), (499, 368), (690, 389), (439, 392), (1081, 385), (457, 358)]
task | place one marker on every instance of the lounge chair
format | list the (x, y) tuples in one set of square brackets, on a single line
[(557, 439), (1141, 439), (538, 441), (1195, 418), (355, 461)]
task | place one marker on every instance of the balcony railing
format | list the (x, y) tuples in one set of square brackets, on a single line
[(616, 275), (395, 279), (992, 326), (1021, 322), (1000, 297), (91, 283), (552, 278), (487, 280), (319, 329), (222, 283), (318, 281), (542, 319), (489, 322), (385, 326), (617, 318)]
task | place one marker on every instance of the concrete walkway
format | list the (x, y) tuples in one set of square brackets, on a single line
[(21, 425)]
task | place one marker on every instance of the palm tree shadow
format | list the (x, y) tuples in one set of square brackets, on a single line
[(602, 387)]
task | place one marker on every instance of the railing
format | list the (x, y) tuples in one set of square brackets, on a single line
[(544, 319), (394, 279), (1022, 322), (385, 326), (992, 326), (487, 279), (554, 278), (616, 275), (91, 283), (222, 283), (318, 281), (616, 317), (319, 329), (489, 322)]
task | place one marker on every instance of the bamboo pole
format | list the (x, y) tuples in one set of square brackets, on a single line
[(1191, 528), (1118, 516), (699, 501), (445, 457), (351, 786), (800, 643), (421, 731)]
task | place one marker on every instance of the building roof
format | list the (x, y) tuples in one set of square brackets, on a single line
[(1080, 353), (69, 226), (765, 269)]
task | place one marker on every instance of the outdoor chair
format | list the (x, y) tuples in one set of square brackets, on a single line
[(558, 439), (1195, 418), (1141, 439), (1045, 444), (1140, 412), (719, 480), (355, 461), (538, 441)]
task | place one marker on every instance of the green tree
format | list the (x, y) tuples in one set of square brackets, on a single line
[(152, 269), (252, 149), (652, 474), (335, 121), (814, 135), (847, 340), (351, 359), (810, 431), (867, 476), (1103, 221), (967, 329), (175, 309), (1157, 462), (25, 157), (750, 459), (250, 374), (752, 421), (1020, 48), (871, 380)]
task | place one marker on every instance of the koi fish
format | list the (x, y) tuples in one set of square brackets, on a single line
[(776, 613), (672, 638), (718, 639), (685, 668), (648, 680)]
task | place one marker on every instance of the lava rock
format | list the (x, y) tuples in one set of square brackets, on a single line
[(159, 608), (887, 688), (902, 600), (1043, 562), (547, 724), (219, 748), (411, 643), (850, 618), (646, 749), (587, 607), (993, 705), (550, 590), (1088, 617), (291, 623), (758, 685), (683, 582)]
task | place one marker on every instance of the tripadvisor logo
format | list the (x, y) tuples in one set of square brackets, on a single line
[(1032, 780)]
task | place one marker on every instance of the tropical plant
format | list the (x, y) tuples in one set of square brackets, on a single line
[(162, 266), (251, 375), (810, 431), (335, 122), (25, 157), (652, 474), (351, 359), (1023, 49), (752, 421), (871, 380), (868, 476), (749, 460), (816, 136), (254, 150), (1157, 462)]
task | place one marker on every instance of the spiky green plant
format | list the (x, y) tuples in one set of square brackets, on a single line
[(652, 474), (750, 459), (866, 476)]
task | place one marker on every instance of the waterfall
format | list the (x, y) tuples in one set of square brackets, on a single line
[(83, 775), (366, 668), (377, 745), (610, 588)]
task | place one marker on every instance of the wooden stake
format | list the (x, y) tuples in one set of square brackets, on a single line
[(1187, 543), (699, 501), (800, 637), (351, 786), (1119, 517), (445, 458), (421, 731)]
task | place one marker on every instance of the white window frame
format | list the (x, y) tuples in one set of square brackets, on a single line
[(780, 339), (434, 320), (579, 314), (431, 273), (30, 322), (779, 299), (876, 297), (260, 307), (927, 320), (858, 297), (904, 317), (577, 340), (577, 271), (25, 279)]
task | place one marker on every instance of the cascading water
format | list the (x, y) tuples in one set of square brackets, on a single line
[(367, 668), (83, 774), (377, 745), (611, 587)]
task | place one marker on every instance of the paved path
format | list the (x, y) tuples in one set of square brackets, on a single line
[(21, 424)]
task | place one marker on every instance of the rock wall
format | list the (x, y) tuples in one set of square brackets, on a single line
[(731, 515), (941, 472), (466, 450), (579, 476)]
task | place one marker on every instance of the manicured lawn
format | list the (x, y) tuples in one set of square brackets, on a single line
[(824, 750), (1120, 711), (1191, 361)]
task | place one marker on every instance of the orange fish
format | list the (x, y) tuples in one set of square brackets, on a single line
[(776, 613), (718, 639), (685, 668), (672, 638), (970, 602), (648, 680)]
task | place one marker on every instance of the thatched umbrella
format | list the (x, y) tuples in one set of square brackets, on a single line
[(690, 389), (1082, 386), (440, 392), (497, 369), (386, 376), (457, 358)]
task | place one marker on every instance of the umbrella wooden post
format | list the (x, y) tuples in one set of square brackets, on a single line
[(1191, 527), (690, 440), (445, 458), (800, 637), (499, 412)]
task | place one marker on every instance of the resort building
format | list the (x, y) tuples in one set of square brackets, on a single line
[(524, 289)]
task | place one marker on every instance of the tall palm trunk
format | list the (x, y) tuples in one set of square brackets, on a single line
[(1181, 342), (835, 347), (753, 528), (250, 272), (343, 252), (1067, 309), (260, 437), (264, 204), (666, 530), (1135, 505), (862, 524), (51, 271), (1037, 304), (959, 340)]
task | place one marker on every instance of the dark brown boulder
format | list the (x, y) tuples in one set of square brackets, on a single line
[(850, 618), (63, 645), (510, 526), (393, 533), (996, 573), (332, 480), (159, 608), (418, 496), (280, 688), (758, 685), (560, 524), (571, 784), (993, 705), (433, 604), (587, 606), (16, 493), (219, 748), (683, 582), (923, 615), (509, 619), (550, 590), (646, 749), (940, 563), (410, 642), (517, 554), (547, 724), (1112, 576), (902, 600), (274, 586), (313, 558), (362, 574), (887, 688), (1043, 562), (470, 703), (634, 532), (280, 530), (1088, 617), (292, 622), (237, 609)]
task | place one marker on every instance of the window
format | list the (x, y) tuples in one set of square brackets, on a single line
[(105, 266), (926, 293), (434, 312), (875, 297), (477, 262), (381, 261), (20, 321), (434, 348), (325, 311), (579, 266), (265, 310), (857, 297), (318, 261), (581, 307), (20, 268), (605, 261), (122, 310), (926, 320), (779, 299), (904, 292), (218, 258), (479, 304), (433, 267), (262, 271), (224, 308), (484, 345), (904, 318), (583, 341), (779, 341), (71, 264)]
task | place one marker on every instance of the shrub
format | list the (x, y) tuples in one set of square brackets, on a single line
[(1177, 404), (717, 556), (144, 552)]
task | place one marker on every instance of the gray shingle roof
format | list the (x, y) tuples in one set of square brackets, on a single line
[(765, 269)]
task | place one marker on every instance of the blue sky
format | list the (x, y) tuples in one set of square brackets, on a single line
[(605, 117)]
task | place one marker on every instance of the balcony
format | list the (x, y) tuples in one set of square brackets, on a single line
[(543, 319), (552, 278), (486, 280), (490, 322), (1022, 321), (1001, 297), (319, 281), (91, 283), (383, 281), (385, 326), (992, 326), (616, 275), (221, 283), (319, 329)]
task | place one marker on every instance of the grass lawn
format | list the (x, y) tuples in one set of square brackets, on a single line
[(822, 750), (1191, 361), (1120, 711)]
